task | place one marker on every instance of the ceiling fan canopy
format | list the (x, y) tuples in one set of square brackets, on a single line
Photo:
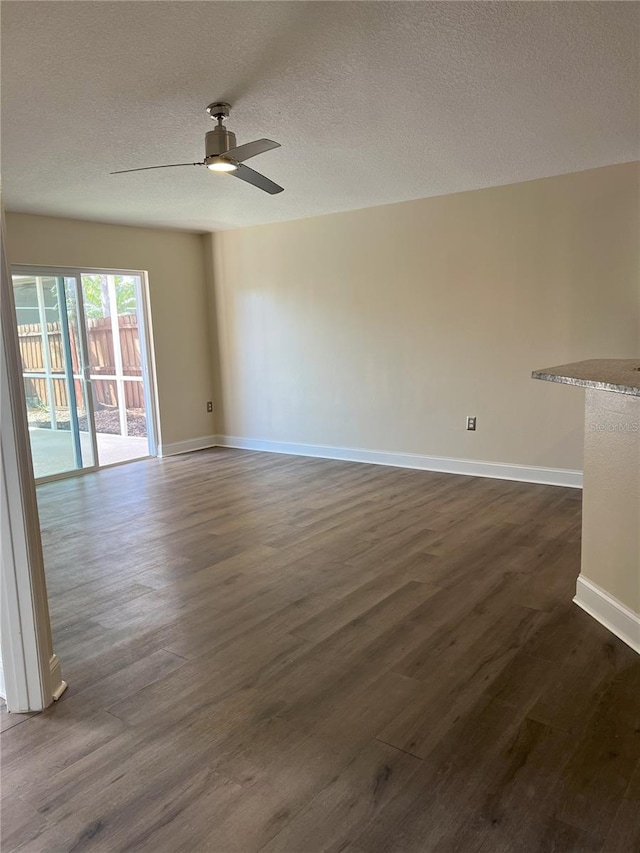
[(222, 154)]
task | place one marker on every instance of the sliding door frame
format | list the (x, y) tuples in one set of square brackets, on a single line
[(146, 354)]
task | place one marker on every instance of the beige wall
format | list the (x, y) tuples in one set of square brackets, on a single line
[(178, 301), (381, 329)]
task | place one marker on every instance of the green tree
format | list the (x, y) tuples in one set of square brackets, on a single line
[(96, 295)]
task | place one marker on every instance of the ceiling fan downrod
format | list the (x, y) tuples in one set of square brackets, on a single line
[(219, 140)]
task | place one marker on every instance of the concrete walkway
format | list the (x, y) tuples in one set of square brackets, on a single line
[(52, 450)]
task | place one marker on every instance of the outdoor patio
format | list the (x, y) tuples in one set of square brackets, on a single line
[(52, 450)]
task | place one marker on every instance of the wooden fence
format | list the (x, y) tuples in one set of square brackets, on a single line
[(101, 361)]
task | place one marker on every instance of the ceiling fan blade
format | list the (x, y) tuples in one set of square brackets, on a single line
[(250, 149), (145, 168), (255, 178)]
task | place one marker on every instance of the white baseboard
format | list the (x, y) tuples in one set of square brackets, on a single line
[(469, 467), (200, 443), (610, 612)]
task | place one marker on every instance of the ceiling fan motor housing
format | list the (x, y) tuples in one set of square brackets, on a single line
[(218, 141)]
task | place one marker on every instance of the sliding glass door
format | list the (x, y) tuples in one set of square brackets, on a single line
[(85, 368), (118, 365), (55, 384)]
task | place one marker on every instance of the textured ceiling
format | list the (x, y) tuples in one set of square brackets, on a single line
[(373, 102)]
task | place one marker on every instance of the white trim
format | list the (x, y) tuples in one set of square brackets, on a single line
[(191, 444), (608, 611), (468, 467), (25, 629), (30, 269)]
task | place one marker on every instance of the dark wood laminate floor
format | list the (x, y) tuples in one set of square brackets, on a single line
[(271, 653)]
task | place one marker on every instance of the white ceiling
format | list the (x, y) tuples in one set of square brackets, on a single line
[(373, 102)]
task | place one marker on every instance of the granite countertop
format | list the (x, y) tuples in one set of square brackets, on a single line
[(620, 375)]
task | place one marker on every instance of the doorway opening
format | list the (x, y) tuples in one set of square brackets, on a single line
[(86, 368)]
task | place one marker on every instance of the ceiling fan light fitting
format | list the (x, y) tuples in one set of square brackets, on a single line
[(221, 166)]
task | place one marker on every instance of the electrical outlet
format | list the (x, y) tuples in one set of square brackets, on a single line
[(209, 406), (471, 423)]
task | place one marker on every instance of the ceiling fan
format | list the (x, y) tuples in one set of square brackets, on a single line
[(223, 155)]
